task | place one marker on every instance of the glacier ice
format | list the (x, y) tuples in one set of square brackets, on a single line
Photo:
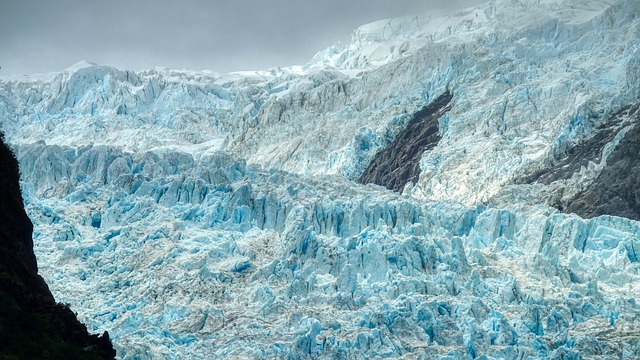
[(214, 258), (206, 215)]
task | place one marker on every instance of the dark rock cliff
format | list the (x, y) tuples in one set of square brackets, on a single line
[(590, 150), (32, 324), (399, 163), (616, 189)]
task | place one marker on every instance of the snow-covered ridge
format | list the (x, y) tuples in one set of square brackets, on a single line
[(387, 40)]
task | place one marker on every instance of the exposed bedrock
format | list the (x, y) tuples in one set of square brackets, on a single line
[(616, 191), (590, 150), (399, 163)]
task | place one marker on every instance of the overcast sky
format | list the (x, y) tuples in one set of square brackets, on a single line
[(221, 35)]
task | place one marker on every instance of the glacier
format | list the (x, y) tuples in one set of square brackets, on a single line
[(207, 215), (219, 259)]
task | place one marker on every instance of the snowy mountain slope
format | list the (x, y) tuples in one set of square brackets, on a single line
[(215, 215), (530, 80)]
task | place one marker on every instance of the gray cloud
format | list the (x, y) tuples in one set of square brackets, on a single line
[(44, 36)]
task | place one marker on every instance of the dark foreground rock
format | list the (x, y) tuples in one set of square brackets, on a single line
[(32, 324)]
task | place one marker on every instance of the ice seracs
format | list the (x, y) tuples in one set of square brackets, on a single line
[(216, 215)]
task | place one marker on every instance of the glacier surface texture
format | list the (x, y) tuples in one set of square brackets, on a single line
[(206, 215)]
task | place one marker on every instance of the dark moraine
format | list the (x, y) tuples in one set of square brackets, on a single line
[(32, 324), (399, 163)]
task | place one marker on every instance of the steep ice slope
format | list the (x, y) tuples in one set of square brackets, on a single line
[(212, 258), (197, 254), (529, 84)]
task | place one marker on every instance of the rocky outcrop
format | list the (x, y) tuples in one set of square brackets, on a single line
[(590, 150), (603, 168), (32, 324), (399, 163), (616, 190)]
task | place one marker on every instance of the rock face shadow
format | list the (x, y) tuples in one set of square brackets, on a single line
[(32, 324), (399, 163)]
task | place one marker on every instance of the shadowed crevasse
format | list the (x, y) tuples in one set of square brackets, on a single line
[(399, 163), (32, 324)]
